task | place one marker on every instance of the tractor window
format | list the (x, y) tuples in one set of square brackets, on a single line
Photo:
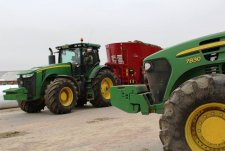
[(72, 56)]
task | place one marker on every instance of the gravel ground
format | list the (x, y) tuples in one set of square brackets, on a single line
[(85, 129)]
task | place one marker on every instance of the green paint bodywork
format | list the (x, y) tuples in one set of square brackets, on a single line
[(43, 75), (18, 93), (182, 69)]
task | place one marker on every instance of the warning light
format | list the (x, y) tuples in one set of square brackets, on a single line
[(81, 39)]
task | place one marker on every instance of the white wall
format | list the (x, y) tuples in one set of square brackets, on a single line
[(7, 104)]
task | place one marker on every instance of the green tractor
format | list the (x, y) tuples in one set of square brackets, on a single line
[(186, 83), (76, 79)]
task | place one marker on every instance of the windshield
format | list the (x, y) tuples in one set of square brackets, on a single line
[(72, 56)]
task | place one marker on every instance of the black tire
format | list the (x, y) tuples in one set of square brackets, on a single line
[(192, 100), (53, 94), (32, 106), (99, 99)]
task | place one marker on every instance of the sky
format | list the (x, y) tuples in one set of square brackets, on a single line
[(29, 27)]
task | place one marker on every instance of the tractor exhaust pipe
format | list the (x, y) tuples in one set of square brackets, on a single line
[(51, 57)]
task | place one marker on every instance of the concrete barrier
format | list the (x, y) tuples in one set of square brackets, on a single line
[(7, 104)]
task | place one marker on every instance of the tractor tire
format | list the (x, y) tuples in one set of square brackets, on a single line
[(194, 115), (101, 86), (60, 96), (32, 106)]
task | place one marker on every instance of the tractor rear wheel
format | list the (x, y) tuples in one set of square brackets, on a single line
[(60, 96), (194, 115), (32, 106), (101, 86)]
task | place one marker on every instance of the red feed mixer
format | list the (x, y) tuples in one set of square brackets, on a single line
[(126, 60)]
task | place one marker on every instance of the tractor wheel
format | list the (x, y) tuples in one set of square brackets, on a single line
[(60, 96), (101, 86), (194, 115), (32, 106)]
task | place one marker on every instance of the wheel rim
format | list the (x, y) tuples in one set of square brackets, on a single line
[(106, 84), (205, 127), (66, 96)]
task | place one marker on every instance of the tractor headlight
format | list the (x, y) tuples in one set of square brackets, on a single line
[(20, 82), (27, 75), (147, 66), (17, 76)]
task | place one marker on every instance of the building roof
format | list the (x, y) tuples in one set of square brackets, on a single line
[(2, 72), (8, 75)]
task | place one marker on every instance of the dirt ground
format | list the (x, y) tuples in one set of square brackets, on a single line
[(85, 129)]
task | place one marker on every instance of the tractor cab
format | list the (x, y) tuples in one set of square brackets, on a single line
[(83, 57)]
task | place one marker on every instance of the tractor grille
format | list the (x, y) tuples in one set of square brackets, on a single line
[(29, 84), (212, 69), (158, 76), (210, 54)]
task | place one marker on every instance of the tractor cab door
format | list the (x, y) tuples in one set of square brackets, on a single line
[(77, 63), (72, 56), (90, 59)]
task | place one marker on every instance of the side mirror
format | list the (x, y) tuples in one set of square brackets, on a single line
[(51, 57)]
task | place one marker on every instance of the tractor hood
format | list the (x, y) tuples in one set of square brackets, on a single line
[(43, 68), (55, 66), (168, 68), (186, 48), (25, 72)]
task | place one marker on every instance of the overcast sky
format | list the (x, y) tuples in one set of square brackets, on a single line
[(29, 27)]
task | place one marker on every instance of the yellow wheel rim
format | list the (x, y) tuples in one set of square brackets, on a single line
[(106, 84), (66, 96), (205, 127)]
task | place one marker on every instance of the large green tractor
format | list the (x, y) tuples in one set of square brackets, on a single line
[(186, 83), (76, 79)]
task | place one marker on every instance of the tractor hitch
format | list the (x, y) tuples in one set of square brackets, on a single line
[(131, 98)]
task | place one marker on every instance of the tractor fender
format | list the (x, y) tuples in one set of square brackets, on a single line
[(97, 69), (70, 78), (52, 77)]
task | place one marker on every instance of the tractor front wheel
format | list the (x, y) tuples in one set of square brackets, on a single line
[(60, 96), (194, 115), (101, 86), (32, 106)]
